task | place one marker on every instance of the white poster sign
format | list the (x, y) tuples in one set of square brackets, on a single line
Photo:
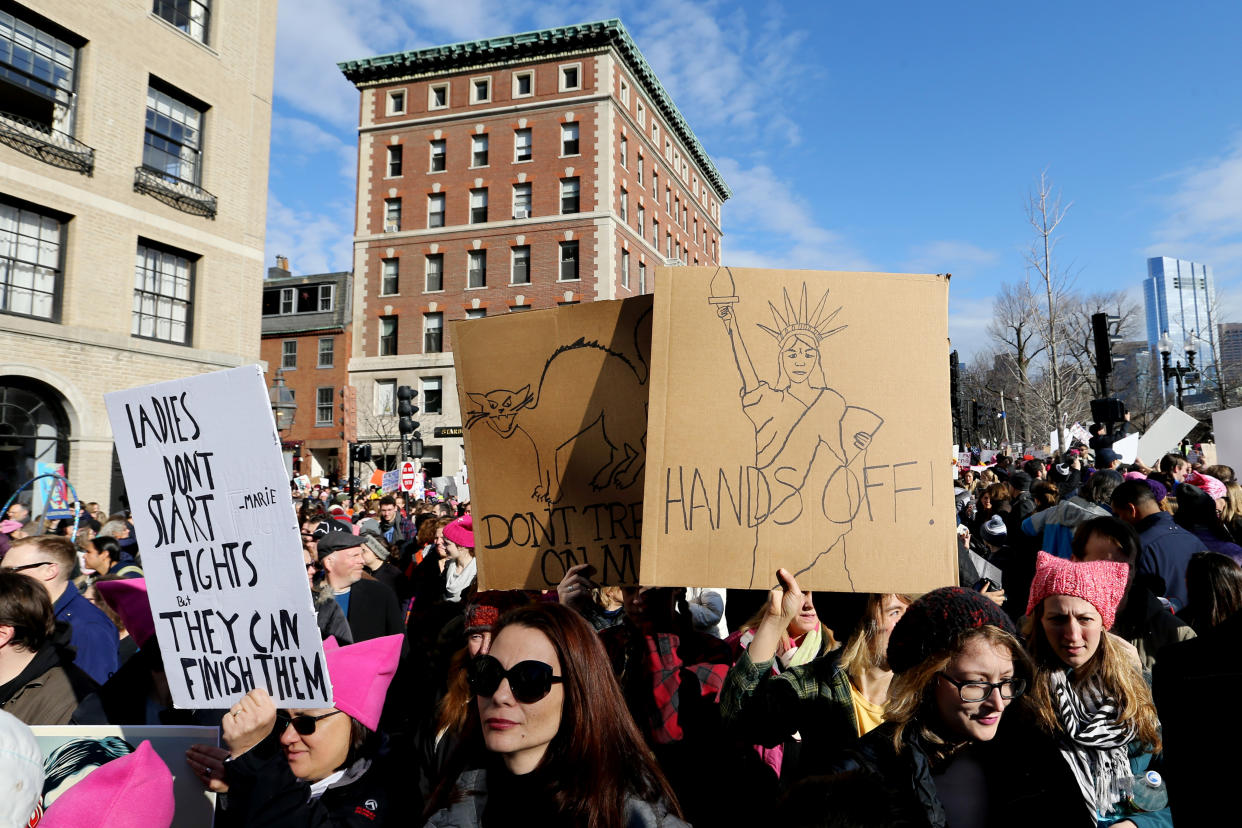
[(1127, 447), (220, 541), (391, 481), (1164, 434), (1227, 426)]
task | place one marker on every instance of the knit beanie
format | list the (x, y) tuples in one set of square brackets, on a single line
[(1157, 489), (461, 532), (1214, 488), (131, 791), (994, 530), (1100, 583), (934, 623), (487, 607)]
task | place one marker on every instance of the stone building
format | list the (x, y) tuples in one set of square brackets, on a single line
[(504, 175), (133, 187)]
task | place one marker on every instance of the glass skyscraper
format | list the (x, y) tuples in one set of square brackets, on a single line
[(1180, 297)]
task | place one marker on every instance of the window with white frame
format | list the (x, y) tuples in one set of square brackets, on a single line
[(432, 388), (569, 139), (642, 219), (392, 215), (384, 398), (438, 157), (571, 77), (434, 269), (190, 16), (625, 269), (521, 145), (395, 152), (478, 150), (481, 90), (326, 294), (325, 405), (388, 278), (625, 152), (569, 195), (655, 233), (387, 335), (639, 169), (435, 210), (478, 205), (438, 96), (476, 313), (289, 355), (173, 139), (625, 205), (433, 333), (655, 133), (569, 261), (520, 269), (625, 93), (396, 102), (163, 291), (30, 263), (327, 352), (521, 201), (523, 84), (642, 114), (476, 269), (642, 276)]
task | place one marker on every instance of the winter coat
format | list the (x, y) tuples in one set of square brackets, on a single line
[(52, 691), (1059, 522), (329, 615), (1148, 625), (95, 637), (1167, 549)]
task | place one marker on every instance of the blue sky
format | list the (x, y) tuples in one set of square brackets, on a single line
[(900, 136)]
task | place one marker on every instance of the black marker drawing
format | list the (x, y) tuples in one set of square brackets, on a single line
[(807, 439), (613, 427)]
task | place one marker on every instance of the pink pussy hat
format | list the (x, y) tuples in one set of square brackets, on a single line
[(134, 791), (1100, 583), (361, 674), (1214, 488), (129, 598)]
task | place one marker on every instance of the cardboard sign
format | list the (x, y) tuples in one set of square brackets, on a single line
[(555, 411), (221, 547), (797, 420), (1164, 435), (1227, 426), (73, 752)]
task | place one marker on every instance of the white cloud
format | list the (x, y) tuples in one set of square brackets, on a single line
[(298, 141), (960, 258), (315, 242), (1205, 215)]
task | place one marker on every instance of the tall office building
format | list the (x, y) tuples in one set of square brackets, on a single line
[(505, 175), (133, 191), (1180, 299)]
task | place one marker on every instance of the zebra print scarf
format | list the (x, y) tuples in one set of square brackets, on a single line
[(1096, 749)]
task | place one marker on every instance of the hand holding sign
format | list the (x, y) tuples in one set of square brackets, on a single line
[(249, 722), (785, 601)]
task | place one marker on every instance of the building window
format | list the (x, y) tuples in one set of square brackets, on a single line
[(325, 399), (190, 16), (435, 210), (476, 313), (163, 287), (655, 134), (520, 271), (388, 281), (625, 269), (655, 186), (668, 203), (478, 151), (384, 398), (433, 333), (438, 160), (569, 261), (29, 261), (433, 402), (625, 93), (625, 152), (655, 233), (392, 215), (36, 74), (394, 161), (327, 352), (435, 272), (438, 96), (396, 102), (172, 144), (519, 308), (287, 299), (571, 77), (523, 84), (642, 277), (625, 201), (642, 219), (569, 139), (668, 244), (476, 269), (521, 145), (481, 90), (642, 114), (478, 205), (569, 195), (521, 201), (387, 335), (289, 355), (304, 299), (325, 297), (640, 169)]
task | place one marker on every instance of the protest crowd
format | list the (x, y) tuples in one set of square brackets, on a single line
[(1080, 673)]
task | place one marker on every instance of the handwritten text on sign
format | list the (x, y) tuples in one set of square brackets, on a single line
[(219, 538)]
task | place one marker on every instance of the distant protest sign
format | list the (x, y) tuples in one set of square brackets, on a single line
[(798, 420), (1227, 427), (1164, 435), (555, 423), (221, 547)]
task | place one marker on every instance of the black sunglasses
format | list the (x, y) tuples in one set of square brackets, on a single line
[(302, 723), (24, 567), (529, 681)]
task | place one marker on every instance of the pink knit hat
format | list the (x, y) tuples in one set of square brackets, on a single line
[(461, 532), (1100, 583), (134, 791), (129, 598), (1133, 475), (1214, 488), (361, 674)]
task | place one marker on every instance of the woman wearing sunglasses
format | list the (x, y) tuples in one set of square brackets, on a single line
[(549, 737), (312, 767)]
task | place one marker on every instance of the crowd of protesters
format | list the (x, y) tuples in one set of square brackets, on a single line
[(1078, 673)]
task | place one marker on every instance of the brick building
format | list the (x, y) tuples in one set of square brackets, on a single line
[(306, 338), (511, 174), (133, 191)]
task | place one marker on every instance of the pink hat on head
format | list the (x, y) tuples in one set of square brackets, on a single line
[(461, 531), (1100, 583), (8, 527), (134, 791), (1133, 475), (361, 674), (129, 598), (1214, 488)]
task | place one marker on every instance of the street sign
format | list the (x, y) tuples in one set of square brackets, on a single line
[(408, 478), (446, 431)]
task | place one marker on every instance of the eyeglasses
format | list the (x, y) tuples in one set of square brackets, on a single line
[(529, 681), (24, 567), (977, 691), (302, 723)]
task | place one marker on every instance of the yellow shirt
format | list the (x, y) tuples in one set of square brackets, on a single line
[(868, 714)]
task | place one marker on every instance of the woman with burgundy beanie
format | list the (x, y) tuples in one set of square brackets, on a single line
[(1091, 694)]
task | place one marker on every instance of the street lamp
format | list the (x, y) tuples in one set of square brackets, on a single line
[(1185, 375), (283, 405)]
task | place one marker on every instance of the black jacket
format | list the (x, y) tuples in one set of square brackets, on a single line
[(373, 611)]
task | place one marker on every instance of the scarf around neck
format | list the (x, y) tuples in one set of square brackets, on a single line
[(1096, 744)]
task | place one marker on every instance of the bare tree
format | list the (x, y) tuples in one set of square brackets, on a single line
[(1015, 328), (1079, 338)]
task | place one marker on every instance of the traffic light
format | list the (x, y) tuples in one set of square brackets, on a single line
[(361, 453), (406, 409), (1104, 341), (976, 414)]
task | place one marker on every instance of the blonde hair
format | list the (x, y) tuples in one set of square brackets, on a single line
[(1109, 666), (861, 649), (911, 702), (1233, 502)]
